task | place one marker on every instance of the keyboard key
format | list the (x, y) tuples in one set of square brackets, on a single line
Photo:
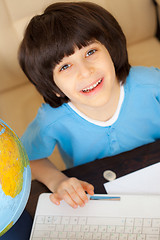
[(54, 234), (56, 220), (114, 236), (147, 222), (132, 237), (156, 223), (111, 229), (102, 229), (152, 237), (44, 227), (128, 229), (48, 219), (71, 235), (105, 221), (65, 220), (73, 220), (82, 220), (129, 222), (137, 230), (97, 235), (62, 234), (106, 236), (68, 228), (76, 228), (123, 236), (94, 228), (150, 230), (79, 235), (85, 228), (119, 229), (141, 237), (138, 222), (88, 235), (40, 219), (41, 234), (37, 238), (59, 228)]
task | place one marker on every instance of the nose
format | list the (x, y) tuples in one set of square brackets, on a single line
[(85, 69)]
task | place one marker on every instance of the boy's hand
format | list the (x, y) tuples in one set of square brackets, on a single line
[(72, 191)]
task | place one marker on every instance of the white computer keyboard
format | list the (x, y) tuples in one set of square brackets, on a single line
[(67, 228)]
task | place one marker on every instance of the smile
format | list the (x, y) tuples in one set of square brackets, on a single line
[(88, 89)]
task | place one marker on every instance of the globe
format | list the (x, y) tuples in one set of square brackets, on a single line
[(15, 178)]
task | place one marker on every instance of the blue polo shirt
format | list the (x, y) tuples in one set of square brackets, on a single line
[(80, 139)]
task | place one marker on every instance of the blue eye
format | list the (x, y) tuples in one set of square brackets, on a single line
[(90, 52), (64, 67)]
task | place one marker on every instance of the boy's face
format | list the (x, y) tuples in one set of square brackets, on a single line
[(87, 77)]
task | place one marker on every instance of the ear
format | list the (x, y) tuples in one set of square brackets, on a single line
[(58, 95)]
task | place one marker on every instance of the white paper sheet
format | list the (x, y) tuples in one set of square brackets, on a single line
[(144, 181)]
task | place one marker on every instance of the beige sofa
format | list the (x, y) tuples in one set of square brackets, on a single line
[(19, 100)]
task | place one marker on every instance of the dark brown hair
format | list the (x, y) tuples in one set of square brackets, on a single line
[(55, 34)]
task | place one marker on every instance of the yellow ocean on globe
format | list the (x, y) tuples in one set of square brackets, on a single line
[(15, 177)]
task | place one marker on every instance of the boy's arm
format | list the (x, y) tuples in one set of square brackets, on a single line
[(45, 171), (71, 190)]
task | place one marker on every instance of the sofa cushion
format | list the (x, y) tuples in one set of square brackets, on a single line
[(146, 53), (19, 106), (11, 74), (136, 17)]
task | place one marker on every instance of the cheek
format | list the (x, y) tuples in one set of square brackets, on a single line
[(110, 69), (65, 83), (58, 81), (65, 87)]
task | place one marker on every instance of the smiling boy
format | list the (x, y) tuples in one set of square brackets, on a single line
[(96, 105)]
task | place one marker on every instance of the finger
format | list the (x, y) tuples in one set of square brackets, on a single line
[(89, 188), (77, 193), (54, 199), (82, 194), (73, 187), (68, 199)]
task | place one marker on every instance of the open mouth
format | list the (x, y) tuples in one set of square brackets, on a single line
[(92, 87)]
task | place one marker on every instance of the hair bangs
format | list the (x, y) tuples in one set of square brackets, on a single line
[(72, 33)]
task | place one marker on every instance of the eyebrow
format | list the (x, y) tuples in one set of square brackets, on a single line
[(89, 43)]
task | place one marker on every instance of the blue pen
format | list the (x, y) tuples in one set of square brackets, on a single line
[(105, 198)]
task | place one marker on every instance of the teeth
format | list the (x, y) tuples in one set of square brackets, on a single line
[(92, 87)]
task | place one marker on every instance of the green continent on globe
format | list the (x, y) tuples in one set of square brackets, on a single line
[(13, 160), (6, 229)]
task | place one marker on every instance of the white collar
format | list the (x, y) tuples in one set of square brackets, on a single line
[(101, 123)]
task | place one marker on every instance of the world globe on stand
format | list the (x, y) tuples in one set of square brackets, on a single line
[(15, 178)]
